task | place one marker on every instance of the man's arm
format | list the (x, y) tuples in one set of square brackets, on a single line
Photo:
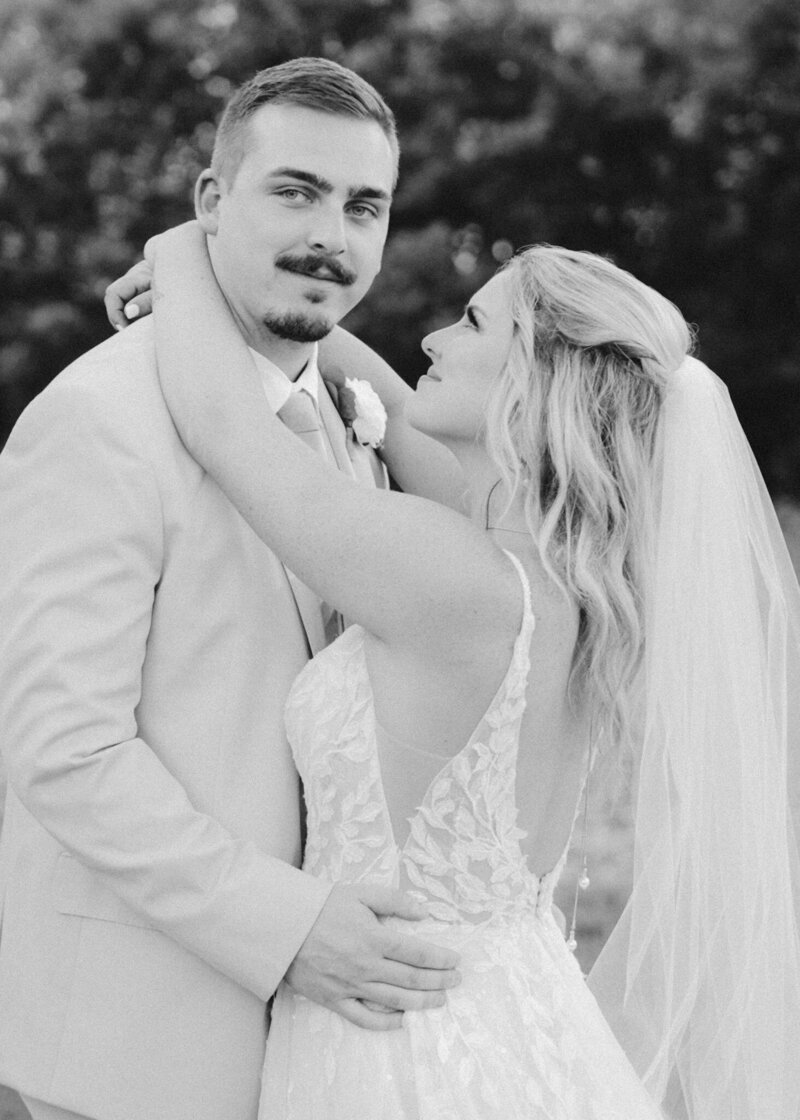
[(81, 546), (81, 541)]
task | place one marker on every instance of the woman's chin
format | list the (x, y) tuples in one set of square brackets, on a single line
[(438, 420), (420, 418)]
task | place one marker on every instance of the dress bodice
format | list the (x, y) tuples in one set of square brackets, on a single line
[(462, 853), (520, 1035)]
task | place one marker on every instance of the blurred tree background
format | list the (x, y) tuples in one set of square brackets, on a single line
[(666, 135)]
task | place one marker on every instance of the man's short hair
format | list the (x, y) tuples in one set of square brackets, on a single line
[(315, 83)]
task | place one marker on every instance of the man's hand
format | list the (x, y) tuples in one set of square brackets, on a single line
[(129, 297), (352, 964)]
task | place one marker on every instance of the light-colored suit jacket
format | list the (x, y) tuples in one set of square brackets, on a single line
[(148, 640)]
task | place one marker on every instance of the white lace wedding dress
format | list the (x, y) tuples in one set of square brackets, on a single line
[(521, 1038)]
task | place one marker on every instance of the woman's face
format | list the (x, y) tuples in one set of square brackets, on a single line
[(451, 398)]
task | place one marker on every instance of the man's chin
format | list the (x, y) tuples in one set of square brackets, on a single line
[(297, 327)]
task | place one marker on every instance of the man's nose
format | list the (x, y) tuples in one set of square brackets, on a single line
[(327, 232)]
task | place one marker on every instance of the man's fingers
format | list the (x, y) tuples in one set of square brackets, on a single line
[(350, 955), (401, 947), (372, 1006), (419, 979), (387, 903), (417, 953), (402, 999), (367, 1017)]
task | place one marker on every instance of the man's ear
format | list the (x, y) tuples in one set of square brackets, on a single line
[(207, 195)]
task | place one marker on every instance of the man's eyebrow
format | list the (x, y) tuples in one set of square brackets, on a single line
[(326, 187), (369, 192), (304, 177)]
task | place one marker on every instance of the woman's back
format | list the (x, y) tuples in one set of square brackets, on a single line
[(425, 717), (449, 818), (521, 1036)]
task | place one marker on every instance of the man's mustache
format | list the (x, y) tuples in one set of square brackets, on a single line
[(316, 265)]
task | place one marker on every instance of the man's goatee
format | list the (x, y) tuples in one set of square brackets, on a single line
[(298, 328)]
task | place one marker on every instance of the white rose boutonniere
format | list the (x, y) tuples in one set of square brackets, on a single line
[(362, 410)]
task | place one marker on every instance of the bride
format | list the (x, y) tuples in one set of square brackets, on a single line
[(619, 582)]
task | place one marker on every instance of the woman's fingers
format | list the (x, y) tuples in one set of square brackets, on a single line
[(129, 297)]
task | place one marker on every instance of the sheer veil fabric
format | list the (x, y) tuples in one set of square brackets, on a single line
[(701, 978)]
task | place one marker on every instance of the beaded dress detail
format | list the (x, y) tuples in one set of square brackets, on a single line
[(521, 1037)]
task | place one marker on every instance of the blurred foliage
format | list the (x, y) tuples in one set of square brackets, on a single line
[(664, 138)]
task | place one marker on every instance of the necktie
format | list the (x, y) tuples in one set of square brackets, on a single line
[(299, 414)]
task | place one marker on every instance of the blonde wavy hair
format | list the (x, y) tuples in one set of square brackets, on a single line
[(572, 424)]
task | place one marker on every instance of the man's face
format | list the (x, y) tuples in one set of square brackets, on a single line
[(297, 238)]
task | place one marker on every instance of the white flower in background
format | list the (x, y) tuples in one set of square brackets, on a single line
[(363, 411)]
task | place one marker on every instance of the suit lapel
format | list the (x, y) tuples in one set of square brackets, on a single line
[(359, 462), (368, 466), (334, 430), (307, 601), (309, 608)]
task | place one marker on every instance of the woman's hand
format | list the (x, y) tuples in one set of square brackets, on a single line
[(130, 297)]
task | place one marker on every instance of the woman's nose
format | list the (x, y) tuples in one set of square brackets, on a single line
[(428, 344)]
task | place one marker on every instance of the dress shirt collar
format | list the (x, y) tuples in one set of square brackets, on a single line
[(277, 386)]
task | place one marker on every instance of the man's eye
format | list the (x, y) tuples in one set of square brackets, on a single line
[(361, 210), (292, 194)]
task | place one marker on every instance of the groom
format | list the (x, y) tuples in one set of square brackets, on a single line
[(147, 643)]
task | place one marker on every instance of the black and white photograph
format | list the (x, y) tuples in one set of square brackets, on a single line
[(399, 552)]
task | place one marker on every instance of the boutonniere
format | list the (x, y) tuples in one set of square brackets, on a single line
[(362, 411)]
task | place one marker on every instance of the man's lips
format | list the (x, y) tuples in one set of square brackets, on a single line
[(317, 274), (317, 268)]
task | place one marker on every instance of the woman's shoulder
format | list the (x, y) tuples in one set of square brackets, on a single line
[(502, 592), (555, 611)]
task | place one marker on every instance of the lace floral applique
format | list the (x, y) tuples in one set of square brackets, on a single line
[(521, 1035), (348, 835), (464, 850)]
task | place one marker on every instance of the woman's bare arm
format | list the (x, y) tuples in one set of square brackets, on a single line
[(418, 464), (411, 571)]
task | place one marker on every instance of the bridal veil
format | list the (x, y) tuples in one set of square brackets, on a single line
[(701, 978)]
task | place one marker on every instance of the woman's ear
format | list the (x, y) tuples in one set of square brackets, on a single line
[(207, 195)]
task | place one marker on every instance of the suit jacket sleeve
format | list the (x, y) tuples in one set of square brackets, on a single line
[(81, 546)]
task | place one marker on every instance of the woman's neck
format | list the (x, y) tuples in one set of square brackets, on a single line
[(487, 494)]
